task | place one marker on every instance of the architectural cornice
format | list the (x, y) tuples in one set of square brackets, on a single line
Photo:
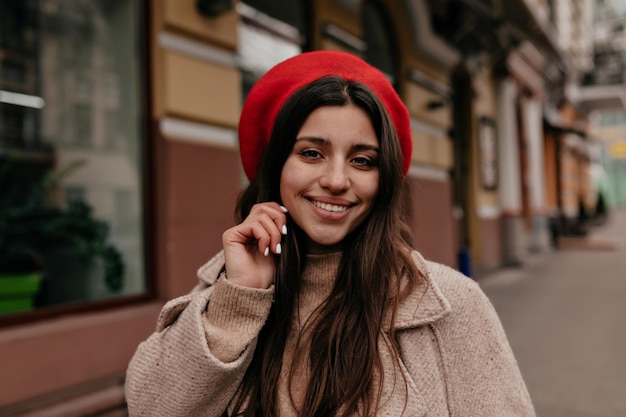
[(425, 39)]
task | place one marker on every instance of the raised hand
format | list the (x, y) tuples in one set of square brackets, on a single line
[(249, 247)]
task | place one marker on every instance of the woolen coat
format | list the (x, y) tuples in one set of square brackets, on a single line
[(454, 355)]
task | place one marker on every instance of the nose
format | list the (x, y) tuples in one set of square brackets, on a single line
[(335, 178)]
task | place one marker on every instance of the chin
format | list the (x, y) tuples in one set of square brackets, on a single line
[(325, 245)]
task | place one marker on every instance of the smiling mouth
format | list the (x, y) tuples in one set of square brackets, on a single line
[(333, 208)]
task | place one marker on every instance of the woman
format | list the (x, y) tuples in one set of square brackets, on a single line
[(318, 306)]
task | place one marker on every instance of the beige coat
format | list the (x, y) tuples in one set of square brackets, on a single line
[(455, 356)]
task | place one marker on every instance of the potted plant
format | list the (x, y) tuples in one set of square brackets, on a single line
[(72, 246), (20, 278), (60, 254)]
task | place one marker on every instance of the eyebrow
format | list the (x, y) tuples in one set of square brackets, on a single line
[(326, 142)]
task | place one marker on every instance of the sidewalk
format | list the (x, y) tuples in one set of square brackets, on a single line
[(564, 313)]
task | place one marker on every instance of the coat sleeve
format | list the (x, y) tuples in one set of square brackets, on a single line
[(175, 373), (483, 378)]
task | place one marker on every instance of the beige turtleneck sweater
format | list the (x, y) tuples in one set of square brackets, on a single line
[(236, 314)]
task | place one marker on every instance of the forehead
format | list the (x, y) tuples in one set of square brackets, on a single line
[(331, 123)]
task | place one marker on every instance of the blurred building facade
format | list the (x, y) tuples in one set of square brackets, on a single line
[(132, 108), (608, 117)]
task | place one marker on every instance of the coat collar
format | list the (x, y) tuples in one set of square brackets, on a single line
[(426, 304)]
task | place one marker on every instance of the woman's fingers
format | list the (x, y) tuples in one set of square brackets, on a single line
[(267, 234), (269, 224), (248, 245)]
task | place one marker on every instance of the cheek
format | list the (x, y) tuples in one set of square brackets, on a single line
[(288, 180), (370, 188)]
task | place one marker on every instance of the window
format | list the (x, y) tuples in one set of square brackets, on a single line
[(377, 36), (71, 210), (82, 125), (269, 33)]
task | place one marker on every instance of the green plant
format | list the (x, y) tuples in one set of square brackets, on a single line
[(31, 228), (19, 259), (38, 229)]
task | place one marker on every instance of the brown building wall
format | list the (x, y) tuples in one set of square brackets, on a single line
[(491, 245), (202, 191), (431, 220)]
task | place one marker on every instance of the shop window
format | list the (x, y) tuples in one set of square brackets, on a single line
[(71, 210), (82, 125), (13, 72), (83, 86), (269, 32), (376, 34)]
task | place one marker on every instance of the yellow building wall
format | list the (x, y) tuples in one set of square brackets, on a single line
[(200, 90), (191, 87), (221, 30), (331, 12), (482, 200)]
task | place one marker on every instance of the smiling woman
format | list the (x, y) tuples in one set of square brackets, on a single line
[(328, 185), (318, 304)]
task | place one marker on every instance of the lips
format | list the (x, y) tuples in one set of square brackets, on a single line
[(330, 207)]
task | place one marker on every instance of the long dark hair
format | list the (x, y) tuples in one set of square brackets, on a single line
[(375, 272)]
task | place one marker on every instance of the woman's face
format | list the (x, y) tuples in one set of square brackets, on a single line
[(330, 179)]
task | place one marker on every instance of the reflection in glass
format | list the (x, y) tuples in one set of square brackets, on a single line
[(65, 163)]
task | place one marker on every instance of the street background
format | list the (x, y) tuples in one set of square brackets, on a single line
[(564, 314), (120, 171)]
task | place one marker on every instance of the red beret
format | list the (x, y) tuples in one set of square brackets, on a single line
[(271, 91)]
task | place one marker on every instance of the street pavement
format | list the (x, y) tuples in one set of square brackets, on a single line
[(565, 315)]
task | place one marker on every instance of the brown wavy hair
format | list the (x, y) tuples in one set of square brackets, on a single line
[(344, 351)]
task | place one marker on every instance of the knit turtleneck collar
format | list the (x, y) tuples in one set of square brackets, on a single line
[(320, 272)]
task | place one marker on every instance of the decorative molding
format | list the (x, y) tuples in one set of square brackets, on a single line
[(24, 100), (284, 30), (183, 130), (525, 73), (429, 128), (336, 33), (198, 50), (424, 37), (427, 82), (353, 6)]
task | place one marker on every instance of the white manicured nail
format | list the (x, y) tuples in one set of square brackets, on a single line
[(283, 208), (284, 229), (278, 249), (267, 251)]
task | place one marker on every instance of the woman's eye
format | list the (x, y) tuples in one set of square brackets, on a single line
[(310, 154), (362, 161)]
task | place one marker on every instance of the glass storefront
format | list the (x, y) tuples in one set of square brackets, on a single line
[(71, 152)]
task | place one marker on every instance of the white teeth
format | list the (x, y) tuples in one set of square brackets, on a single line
[(330, 207)]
